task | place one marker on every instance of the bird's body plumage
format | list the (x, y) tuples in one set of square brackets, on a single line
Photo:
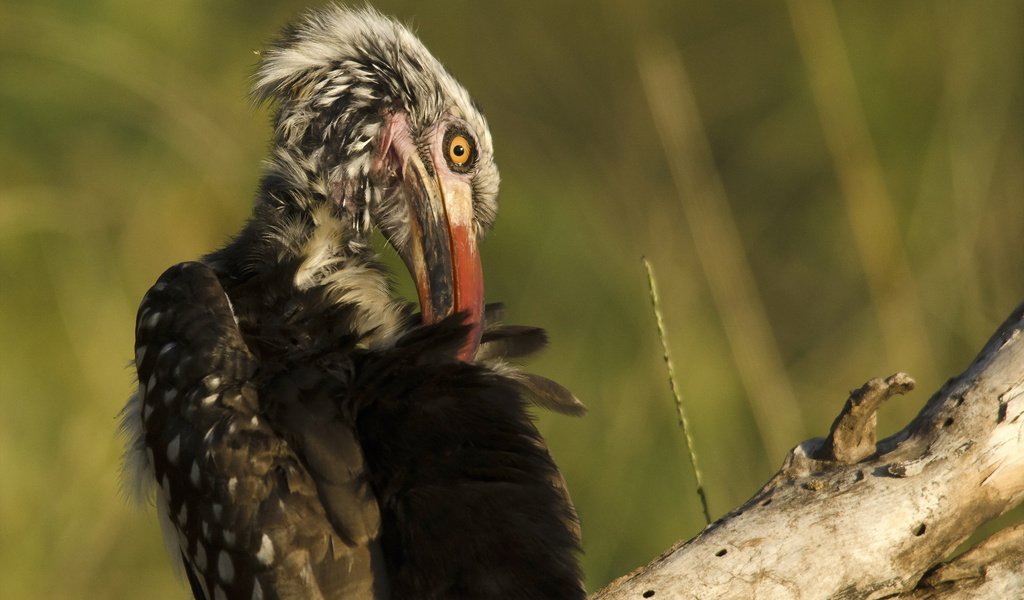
[(303, 433)]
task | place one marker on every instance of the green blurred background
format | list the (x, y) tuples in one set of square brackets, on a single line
[(861, 211)]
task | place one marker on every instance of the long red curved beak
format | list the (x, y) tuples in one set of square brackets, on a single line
[(441, 252)]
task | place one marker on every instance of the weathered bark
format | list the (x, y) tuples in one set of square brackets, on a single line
[(848, 518), (993, 569)]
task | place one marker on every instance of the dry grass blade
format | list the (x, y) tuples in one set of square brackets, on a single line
[(719, 248), (684, 424)]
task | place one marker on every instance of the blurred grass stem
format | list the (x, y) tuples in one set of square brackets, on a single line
[(719, 247), (869, 208)]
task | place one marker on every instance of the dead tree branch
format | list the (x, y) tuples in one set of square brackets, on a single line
[(848, 518)]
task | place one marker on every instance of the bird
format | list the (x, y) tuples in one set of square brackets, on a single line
[(304, 432)]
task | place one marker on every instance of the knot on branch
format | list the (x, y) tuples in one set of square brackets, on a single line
[(854, 432)]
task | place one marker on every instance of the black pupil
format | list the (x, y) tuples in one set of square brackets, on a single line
[(458, 150)]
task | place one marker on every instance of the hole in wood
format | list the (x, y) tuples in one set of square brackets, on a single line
[(766, 502), (721, 552), (649, 594), (920, 530), (948, 422)]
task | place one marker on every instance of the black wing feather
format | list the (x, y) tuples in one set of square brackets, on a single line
[(250, 519), (472, 504)]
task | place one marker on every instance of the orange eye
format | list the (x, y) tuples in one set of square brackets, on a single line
[(459, 150)]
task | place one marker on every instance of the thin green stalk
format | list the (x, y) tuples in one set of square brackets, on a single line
[(680, 411)]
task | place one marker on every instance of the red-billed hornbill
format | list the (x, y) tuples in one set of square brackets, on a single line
[(306, 434)]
